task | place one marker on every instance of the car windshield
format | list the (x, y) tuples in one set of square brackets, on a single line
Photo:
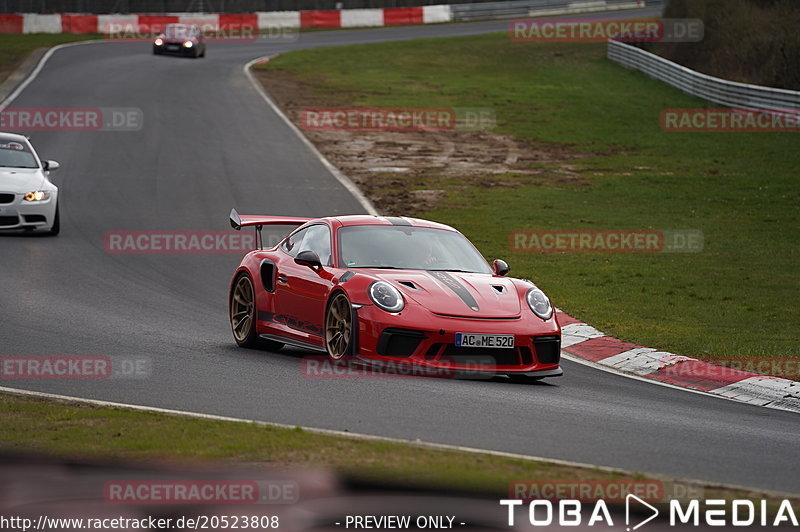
[(179, 31), (408, 248), (15, 154)]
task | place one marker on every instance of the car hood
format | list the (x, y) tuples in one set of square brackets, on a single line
[(471, 295), (20, 180)]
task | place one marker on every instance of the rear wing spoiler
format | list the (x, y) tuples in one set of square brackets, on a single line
[(257, 221), (249, 220)]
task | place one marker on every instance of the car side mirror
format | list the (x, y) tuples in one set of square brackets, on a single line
[(51, 165), (308, 258), (500, 267)]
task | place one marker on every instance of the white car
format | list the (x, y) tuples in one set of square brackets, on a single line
[(28, 200)]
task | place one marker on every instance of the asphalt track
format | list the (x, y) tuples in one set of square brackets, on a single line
[(210, 143)]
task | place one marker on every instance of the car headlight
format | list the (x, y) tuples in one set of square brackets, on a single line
[(38, 195), (539, 303), (386, 296), (159, 42), (188, 44)]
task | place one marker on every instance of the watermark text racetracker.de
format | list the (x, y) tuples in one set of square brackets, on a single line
[(68, 367), (212, 29), (740, 368), (323, 367), (27, 119), (613, 490), (606, 241), (722, 120), (601, 30), (183, 242), (397, 119), (201, 492)]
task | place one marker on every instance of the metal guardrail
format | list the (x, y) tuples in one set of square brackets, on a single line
[(728, 93)]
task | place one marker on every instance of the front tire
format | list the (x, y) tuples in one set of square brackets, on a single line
[(56, 227), (339, 327), (243, 312)]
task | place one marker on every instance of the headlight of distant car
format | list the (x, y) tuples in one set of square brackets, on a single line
[(386, 296), (188, 44), (159, 42), (539, 303), (38, 195)]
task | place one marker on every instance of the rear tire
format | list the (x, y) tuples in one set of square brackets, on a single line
[(243, 312)]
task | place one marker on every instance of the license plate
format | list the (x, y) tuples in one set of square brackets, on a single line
[(498, 341), (172, 47)]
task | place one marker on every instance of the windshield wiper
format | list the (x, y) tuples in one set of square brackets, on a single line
[(380, 267), (452, 270), (12, 166)]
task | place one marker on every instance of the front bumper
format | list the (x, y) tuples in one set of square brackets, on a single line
[(421, 338), (22, 214), (175, 48)]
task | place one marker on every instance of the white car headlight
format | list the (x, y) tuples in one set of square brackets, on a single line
[(539, 303), (188, 44), (37, 195), (386, 296), (159, 42)]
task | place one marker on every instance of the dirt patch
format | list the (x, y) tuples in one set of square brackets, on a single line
[(407, 172)]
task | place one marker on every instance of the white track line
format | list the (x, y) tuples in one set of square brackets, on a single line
[(354, 190), (371, 437), (343, 179), (39, 66), (615, 371)]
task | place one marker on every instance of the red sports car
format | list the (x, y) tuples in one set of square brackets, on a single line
[(391, 291)]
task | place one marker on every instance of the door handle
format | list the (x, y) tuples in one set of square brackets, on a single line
[(282, 279)]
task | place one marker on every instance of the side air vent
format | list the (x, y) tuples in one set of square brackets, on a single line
[(500, 289), (399, 343), (409, 284), (548, 349), (268, 275)]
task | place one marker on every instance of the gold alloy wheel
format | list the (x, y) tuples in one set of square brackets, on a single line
[(338, 327), (242, 309)]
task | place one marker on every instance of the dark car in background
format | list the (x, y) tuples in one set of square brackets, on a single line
[(182, 39)]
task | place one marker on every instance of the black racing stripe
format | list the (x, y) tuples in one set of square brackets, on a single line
[(458, 288), (396, 220)]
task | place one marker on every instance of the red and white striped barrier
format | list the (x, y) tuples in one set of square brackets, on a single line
[(268, 20), (108, 24), (585, 342)]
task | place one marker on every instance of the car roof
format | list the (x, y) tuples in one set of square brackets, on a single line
[(13, 136), (363, 219)]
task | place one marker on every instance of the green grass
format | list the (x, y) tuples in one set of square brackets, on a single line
[(88, 432), (15, 48), (737, 298), (103, 434)]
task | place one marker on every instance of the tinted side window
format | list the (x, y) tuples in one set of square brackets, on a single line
[(318, 240), (292, 244)]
